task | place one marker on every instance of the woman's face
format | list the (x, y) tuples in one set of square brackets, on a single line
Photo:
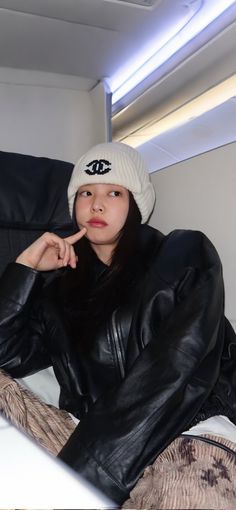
[(102, 209)]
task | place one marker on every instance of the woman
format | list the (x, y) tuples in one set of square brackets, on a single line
[(133, 325)]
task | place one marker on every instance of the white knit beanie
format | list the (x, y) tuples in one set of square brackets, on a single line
[(114, 163)]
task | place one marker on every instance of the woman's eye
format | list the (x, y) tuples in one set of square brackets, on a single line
[(115, 193), (85, 193)]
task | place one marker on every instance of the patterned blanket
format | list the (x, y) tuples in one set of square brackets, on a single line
[(191, 473)]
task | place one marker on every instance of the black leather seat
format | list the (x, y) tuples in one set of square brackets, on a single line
[(33, 199)]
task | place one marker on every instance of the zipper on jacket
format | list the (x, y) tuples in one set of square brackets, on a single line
[(210, 441), (117, 342)]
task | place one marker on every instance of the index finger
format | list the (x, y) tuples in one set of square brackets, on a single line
[(76, 237)]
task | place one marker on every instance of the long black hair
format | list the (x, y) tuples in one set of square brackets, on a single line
[(88, 299)]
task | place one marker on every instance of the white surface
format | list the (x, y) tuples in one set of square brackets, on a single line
[(91, 38), (49, 121), (43, 384), (212, 129), (216, 425), (199, 194), (31, 478)]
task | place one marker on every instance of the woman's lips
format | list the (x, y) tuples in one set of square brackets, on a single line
[(97, 223)]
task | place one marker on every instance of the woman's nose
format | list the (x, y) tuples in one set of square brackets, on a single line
[(97, 206)]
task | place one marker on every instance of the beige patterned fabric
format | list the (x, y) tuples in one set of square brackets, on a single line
[(188, 474), (51, 427)]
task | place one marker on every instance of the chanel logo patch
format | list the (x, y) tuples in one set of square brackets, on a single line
[(98, 166)]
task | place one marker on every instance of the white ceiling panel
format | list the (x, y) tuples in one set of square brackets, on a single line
[(37, 43), (96, 39), (211, 130), (89, 38), (86, 38), (156, 157)]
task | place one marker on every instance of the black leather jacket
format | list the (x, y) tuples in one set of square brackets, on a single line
[(164, 358)]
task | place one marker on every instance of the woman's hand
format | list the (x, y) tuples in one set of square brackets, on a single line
[(50, 252)]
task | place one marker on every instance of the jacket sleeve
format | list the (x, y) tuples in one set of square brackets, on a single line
[(165, 387), (22, 329)]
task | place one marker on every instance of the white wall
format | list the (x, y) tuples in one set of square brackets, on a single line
[(200, 193), (50, 115)]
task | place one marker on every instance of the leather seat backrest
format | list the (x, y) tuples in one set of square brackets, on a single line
[(33, 199)]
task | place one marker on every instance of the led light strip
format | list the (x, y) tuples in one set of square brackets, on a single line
[(175, 39), (195, 108)]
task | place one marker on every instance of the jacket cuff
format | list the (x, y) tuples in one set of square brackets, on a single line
[(17, 283), (79, 459)]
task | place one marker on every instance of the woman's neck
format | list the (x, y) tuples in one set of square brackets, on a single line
[(103, 252)]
